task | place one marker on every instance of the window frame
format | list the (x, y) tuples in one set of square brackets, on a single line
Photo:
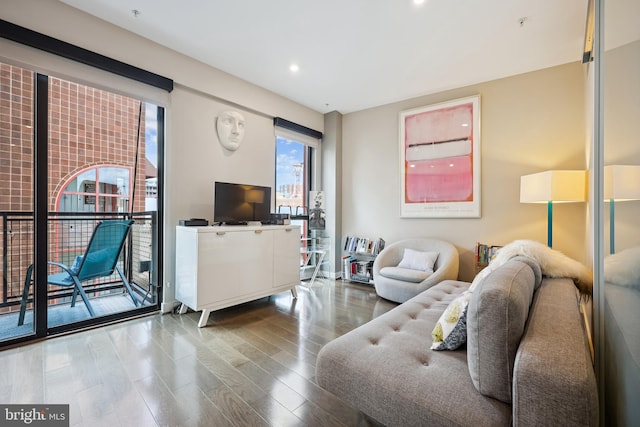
[(96, 193)]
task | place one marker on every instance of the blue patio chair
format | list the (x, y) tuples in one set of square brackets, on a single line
[(99, 260)]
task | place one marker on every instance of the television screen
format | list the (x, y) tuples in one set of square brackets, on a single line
[(239, 203)]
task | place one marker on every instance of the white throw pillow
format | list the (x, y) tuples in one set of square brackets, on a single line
[(451, 330), (416, 260)]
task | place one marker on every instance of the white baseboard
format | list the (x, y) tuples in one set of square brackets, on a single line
[(167, 307)]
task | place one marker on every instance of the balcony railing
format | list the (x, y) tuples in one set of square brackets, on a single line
[(68, 236)]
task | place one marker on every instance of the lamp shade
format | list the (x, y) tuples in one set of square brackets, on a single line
[(254, 196), (621, 182), (557, 186)]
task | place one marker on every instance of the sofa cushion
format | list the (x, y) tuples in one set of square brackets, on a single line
[(553, 376), (418, 260), (404, 274), (496, 318), (480, 277), (535, 267)]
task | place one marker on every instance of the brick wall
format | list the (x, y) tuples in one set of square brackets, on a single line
[(16, 139), (87, 127)]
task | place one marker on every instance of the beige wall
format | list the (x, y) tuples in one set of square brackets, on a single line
[(529, 123)]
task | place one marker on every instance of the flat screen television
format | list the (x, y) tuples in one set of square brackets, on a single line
[(239, 203)]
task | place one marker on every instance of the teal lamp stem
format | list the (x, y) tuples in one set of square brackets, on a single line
[(549, 223), (612, 233)]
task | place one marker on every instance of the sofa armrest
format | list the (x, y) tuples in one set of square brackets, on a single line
[(553, 378)]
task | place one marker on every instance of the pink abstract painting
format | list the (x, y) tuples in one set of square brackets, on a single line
[(438, 156)]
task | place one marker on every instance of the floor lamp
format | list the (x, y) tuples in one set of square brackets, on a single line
[(556, 186), (621, 183)]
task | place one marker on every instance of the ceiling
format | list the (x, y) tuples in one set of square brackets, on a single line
[(357, 54)]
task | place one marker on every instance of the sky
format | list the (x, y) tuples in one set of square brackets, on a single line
[(288, 153), (151, 133)]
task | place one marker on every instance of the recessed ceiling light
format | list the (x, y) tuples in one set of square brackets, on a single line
[(418, 1), (465, 125), (294, 68)]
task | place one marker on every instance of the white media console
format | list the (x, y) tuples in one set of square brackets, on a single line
[(221, 266)]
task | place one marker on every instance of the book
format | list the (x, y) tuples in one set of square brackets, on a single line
[(485, 253)]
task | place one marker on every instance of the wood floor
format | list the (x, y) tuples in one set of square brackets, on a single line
[(252, 365)]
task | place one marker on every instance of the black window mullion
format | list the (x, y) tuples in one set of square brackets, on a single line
[(41, 206), (158, 256)]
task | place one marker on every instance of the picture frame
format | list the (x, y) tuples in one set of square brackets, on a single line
[(440, 160)]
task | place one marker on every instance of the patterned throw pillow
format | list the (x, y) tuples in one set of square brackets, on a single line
[(451, 330)]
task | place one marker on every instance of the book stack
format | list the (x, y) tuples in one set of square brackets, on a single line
[(357, 270), (484, 254), (360, 245), (357, 266)]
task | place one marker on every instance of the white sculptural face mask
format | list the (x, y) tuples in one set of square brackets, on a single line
[(230, 126)]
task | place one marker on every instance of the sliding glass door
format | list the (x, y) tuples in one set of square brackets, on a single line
[(86, 157)]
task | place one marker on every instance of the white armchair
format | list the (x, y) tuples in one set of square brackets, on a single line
[(395, 283)]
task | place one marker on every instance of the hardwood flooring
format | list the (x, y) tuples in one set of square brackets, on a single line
[(252, 365)]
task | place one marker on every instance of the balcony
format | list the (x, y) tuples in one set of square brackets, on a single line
[(68, 236)]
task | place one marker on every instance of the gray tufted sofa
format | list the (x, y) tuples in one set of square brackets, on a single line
[(526, 361)]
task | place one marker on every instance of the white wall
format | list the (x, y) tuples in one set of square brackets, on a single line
[(529, 123), (194, 158)]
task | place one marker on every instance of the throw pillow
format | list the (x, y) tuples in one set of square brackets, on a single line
[(451, 330), (496, 319), (416, 260)]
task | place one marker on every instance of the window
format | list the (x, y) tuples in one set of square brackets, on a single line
[(296, 166), (292, 176), (97, 189)]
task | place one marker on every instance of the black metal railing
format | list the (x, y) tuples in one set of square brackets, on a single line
[(68, 236)]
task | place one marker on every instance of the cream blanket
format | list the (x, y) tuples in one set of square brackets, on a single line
[(553, 263)]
